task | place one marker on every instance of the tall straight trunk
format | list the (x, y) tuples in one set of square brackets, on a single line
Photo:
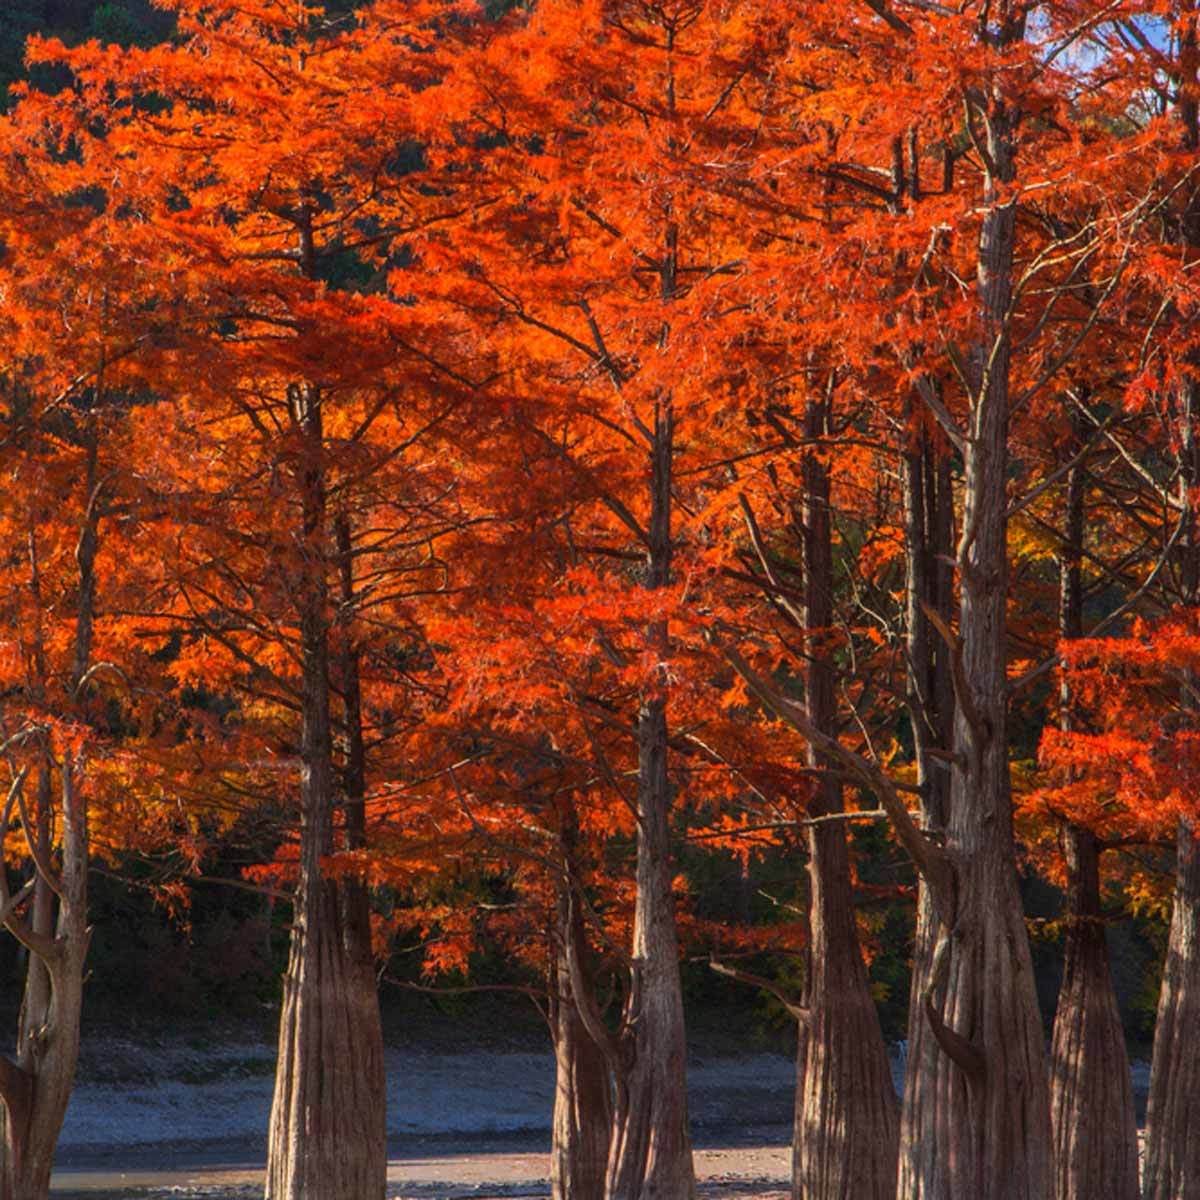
[(582, 1119), (651, 1152), (846, 1112), (327, 1134), (1091, 1092), (929, 533), (1172, 1162), (1171, 1169), (991, 1091), (355, 898), (353, 893)]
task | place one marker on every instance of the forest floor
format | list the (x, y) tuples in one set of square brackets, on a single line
[(185, 1117), (174, 1115), (452, 1171)]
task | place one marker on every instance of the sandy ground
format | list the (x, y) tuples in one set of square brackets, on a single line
[(758, 1172), (188, 1119), (175, 1119)]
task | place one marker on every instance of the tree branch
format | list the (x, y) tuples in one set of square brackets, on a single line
[(799, 1011), (930, 859)]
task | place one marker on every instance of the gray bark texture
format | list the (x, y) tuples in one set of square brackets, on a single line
[(36, 1083), (582, 1118), (991, 1092), (327, 1135), (650, 1156), (929, 532), (1171, 1168), (1091, 1092), (1172, 1163), (846, 1131)]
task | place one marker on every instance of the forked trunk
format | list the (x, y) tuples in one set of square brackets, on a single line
[(36, 1084), (582, 1090), (991, 1092), (846, 1112), (327, 1135), (1091, 1094), (992, 1097), (650, 1157), (929, 532)]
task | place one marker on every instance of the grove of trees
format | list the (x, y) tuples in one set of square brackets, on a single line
[(502, 448)]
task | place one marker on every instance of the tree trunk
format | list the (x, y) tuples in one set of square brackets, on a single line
[(36, 1084), (992, 1094), (582, 1092), (43, 1073), (1091, 1093), (929, 532), (353, 893), (1172, 1167), (1172, 1163), (650, 1156), (846, 1112), (327, 1134), (355, 897)]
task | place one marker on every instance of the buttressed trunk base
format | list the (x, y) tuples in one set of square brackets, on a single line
[(1172, 1167), (328, 1133), (846, 1134), (582, 1104)]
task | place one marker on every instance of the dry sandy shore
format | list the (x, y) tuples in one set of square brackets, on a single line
[(724, 1172), (148, 1122), (186, 1120)]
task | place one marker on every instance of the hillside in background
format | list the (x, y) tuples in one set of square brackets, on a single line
[(127, 22)]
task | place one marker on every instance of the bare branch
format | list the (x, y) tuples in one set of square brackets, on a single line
[(929, 858), (799, 1011)]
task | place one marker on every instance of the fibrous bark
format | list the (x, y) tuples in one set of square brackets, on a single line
[(1171, 1170), (1172, 1165), (1172, 1162), (991, 1090), (582, 1119), (1091, 1093), (328, 1131), (650, 1156), (846, 1126), (929, 531), (36, 1083)]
